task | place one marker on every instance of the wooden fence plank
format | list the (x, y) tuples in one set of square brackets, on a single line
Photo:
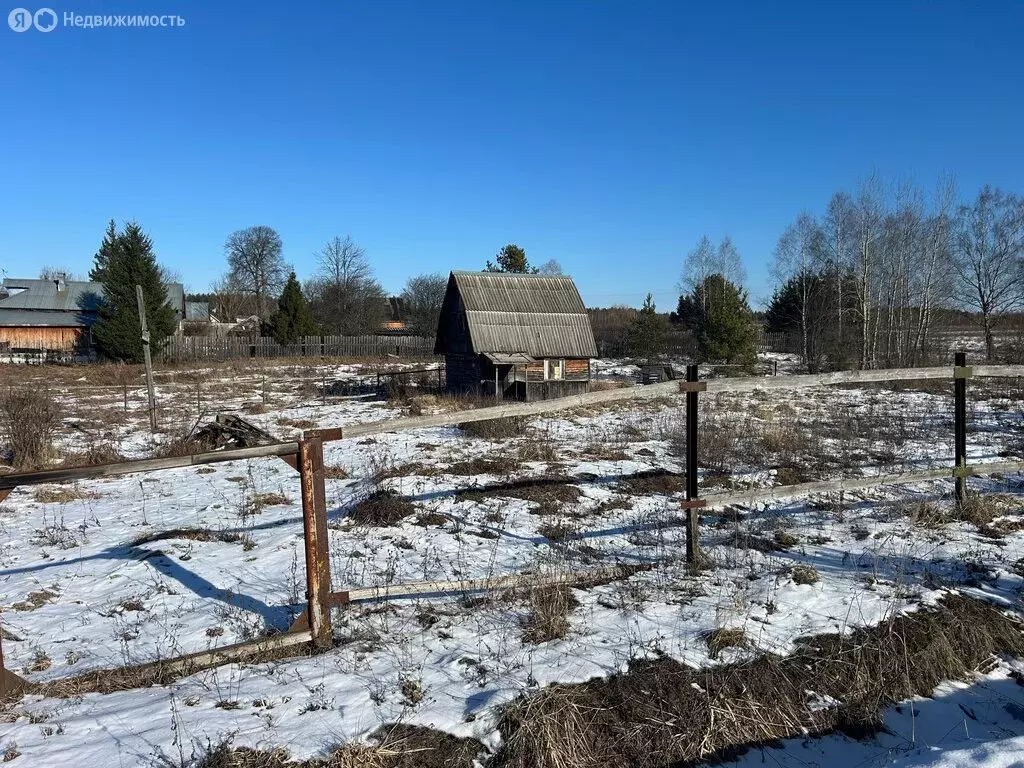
[(183, 349), (144, 465)]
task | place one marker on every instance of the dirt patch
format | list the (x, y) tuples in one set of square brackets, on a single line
[(381, 508), (495, 429), (550, 493), (192, 534), (662, 713), (656, 482), (501, 465)]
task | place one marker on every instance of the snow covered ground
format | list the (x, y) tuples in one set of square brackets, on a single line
[(124, 570)]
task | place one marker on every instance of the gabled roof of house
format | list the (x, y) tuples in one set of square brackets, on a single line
[(63, 303), (534, 315), (76, 295)]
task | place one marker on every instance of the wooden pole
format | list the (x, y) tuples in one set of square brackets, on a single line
[(692, 512), (960, 374), (141, 300), (314, 525)]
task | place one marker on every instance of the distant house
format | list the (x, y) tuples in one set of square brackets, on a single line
[(54, 318), (521, 337)]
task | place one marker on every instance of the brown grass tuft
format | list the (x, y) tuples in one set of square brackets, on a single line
[(495, 429), (550, 492), (381, 508), (62, 495), (805, 574), (549, 609), (718, 640)]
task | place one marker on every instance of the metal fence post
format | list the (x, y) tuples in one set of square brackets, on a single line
[(960, 375), (314, 525), (692, 510)]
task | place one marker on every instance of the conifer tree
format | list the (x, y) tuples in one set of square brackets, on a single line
[(293, 319), (98, 272), (128, 263), (717, 313), (511, 258), (648, 333)]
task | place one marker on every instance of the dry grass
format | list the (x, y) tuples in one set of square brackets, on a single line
[(99, 452), (551, 493), (395, 746), (62, 495), (805, 574), (548, 616), (503, 464), (29, 417), (663, 713), (981, 509), (658, 481), (495, 429), (381, 508), (718, 640)]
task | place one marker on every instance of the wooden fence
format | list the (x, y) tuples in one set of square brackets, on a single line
[(307, 456), (187, 349)]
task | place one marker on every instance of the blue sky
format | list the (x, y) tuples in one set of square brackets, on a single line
[(608, 135)]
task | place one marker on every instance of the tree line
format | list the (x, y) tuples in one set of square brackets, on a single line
[(869, 283), (342, 297)]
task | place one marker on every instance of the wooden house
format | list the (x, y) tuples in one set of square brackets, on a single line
[(517, 337), (52, 319)]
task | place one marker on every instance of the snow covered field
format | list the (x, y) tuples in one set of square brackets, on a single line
[(104, 573)]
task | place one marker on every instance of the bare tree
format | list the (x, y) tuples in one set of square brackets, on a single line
[(728, 264), (229, 302), (988, 249), (551, 267), (54, 273), (344, 295), (798, 256), (699, 265), (705, 260), (343, 264), (867, 219), (422, 299), (256, 266)]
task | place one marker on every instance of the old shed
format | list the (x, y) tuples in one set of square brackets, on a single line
[(518, 337)]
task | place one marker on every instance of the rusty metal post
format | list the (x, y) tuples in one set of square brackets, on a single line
[(10, 683), (692, 512), (314, 525)]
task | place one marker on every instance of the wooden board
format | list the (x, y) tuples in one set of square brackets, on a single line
[(144, 465)]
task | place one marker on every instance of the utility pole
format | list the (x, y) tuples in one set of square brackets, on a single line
[(149, 360)]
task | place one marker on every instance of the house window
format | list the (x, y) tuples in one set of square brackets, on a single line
[(554, 370)]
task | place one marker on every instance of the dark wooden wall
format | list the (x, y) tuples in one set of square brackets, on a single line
[(463, 373)]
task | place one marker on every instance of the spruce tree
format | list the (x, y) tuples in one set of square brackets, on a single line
[(511, 258), (293, 319), (98, 273), (648, 333), (129, 263), (719, 316)]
